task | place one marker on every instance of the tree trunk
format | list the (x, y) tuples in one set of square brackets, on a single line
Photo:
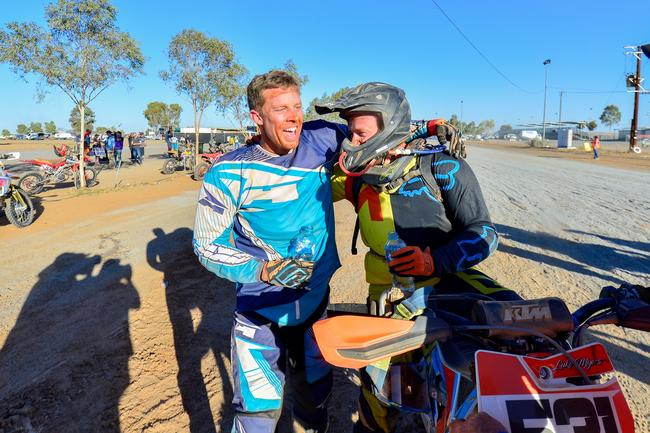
[(197, 126), (82, 177)]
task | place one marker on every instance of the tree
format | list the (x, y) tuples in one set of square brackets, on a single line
[(35, 127), (6, 133), (22, 129), (505, 129), (291, 68), (310, 113), (453, 121), (486, 126), (82, 51), (592, 125), (161, 115), (611, 116), (103, 129), (50, 127), (75, 119), (203, 69), (174, 115)]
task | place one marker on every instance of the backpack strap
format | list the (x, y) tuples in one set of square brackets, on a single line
[(357, 184), (424, 167)]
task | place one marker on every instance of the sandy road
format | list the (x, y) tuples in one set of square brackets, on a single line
[(110, 324)]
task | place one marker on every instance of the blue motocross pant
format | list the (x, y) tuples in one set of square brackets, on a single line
[(262, 355)]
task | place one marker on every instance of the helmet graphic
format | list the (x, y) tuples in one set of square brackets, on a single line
[(380, 98)]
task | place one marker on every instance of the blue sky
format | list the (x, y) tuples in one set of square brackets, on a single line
[(408, 43)]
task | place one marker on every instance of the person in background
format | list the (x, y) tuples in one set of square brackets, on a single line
[(168, 139), (97, 148), (130, 138), (87, 137), (119, 146), (595, 146), (110, 145), (138, 147)]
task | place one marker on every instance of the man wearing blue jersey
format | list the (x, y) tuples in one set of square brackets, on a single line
[(252, 203)]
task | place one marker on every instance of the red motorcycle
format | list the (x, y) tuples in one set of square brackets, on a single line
[(521, 362), (207, 159), (56, 172)]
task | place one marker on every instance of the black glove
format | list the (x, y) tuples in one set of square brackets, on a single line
[(288, 272)]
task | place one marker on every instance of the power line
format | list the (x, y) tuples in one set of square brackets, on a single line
[(498, 71)]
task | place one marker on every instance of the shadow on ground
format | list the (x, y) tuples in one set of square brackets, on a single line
[(196, 295), (591, 259), (64, 365)]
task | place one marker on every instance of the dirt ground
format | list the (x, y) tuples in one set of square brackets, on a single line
[(608, 157), (109, 324)]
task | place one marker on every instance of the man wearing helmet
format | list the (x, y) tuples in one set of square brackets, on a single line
[(430, 198)]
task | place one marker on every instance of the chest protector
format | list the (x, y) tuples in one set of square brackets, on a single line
[(391, 177)]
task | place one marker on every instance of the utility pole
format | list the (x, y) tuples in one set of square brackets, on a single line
[(546, 62), (635, 114), (461, 116), (559, 120), (636, 51)]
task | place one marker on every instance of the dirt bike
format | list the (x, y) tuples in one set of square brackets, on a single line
[(13, 200), (179, 160), (207, 159), (521, 362), (56, 172)]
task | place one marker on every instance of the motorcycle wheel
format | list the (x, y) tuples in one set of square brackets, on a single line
[(19, 208), (169, 166), (90, 174), (32, 182), (200, 170)]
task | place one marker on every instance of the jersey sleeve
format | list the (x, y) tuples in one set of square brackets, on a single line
[(474, 236), (216, 211)]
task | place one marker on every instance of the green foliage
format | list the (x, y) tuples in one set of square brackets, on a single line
[(203, 69), (592, 125), (453, 121), (505, 129), (159, 114), (5, 133), (35, 127), (310, 113), (486, 126), (471, 128), (50, 127), (103, 129), (291, 68), (611, 116), (75, 119), (22, 129), (82, 51)]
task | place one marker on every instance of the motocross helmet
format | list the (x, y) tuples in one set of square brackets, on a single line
[(380, 98)]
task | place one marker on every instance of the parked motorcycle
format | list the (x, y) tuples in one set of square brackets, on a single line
[(55, 172), (15, 202), (179, 160), (207, 159), (522, 362)]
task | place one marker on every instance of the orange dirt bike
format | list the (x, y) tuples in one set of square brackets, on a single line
[(521, 362), (15, 202)]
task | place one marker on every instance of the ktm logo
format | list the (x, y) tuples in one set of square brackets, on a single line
[(527, 312)]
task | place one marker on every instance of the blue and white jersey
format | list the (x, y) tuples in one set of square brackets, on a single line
[(253, 203)]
